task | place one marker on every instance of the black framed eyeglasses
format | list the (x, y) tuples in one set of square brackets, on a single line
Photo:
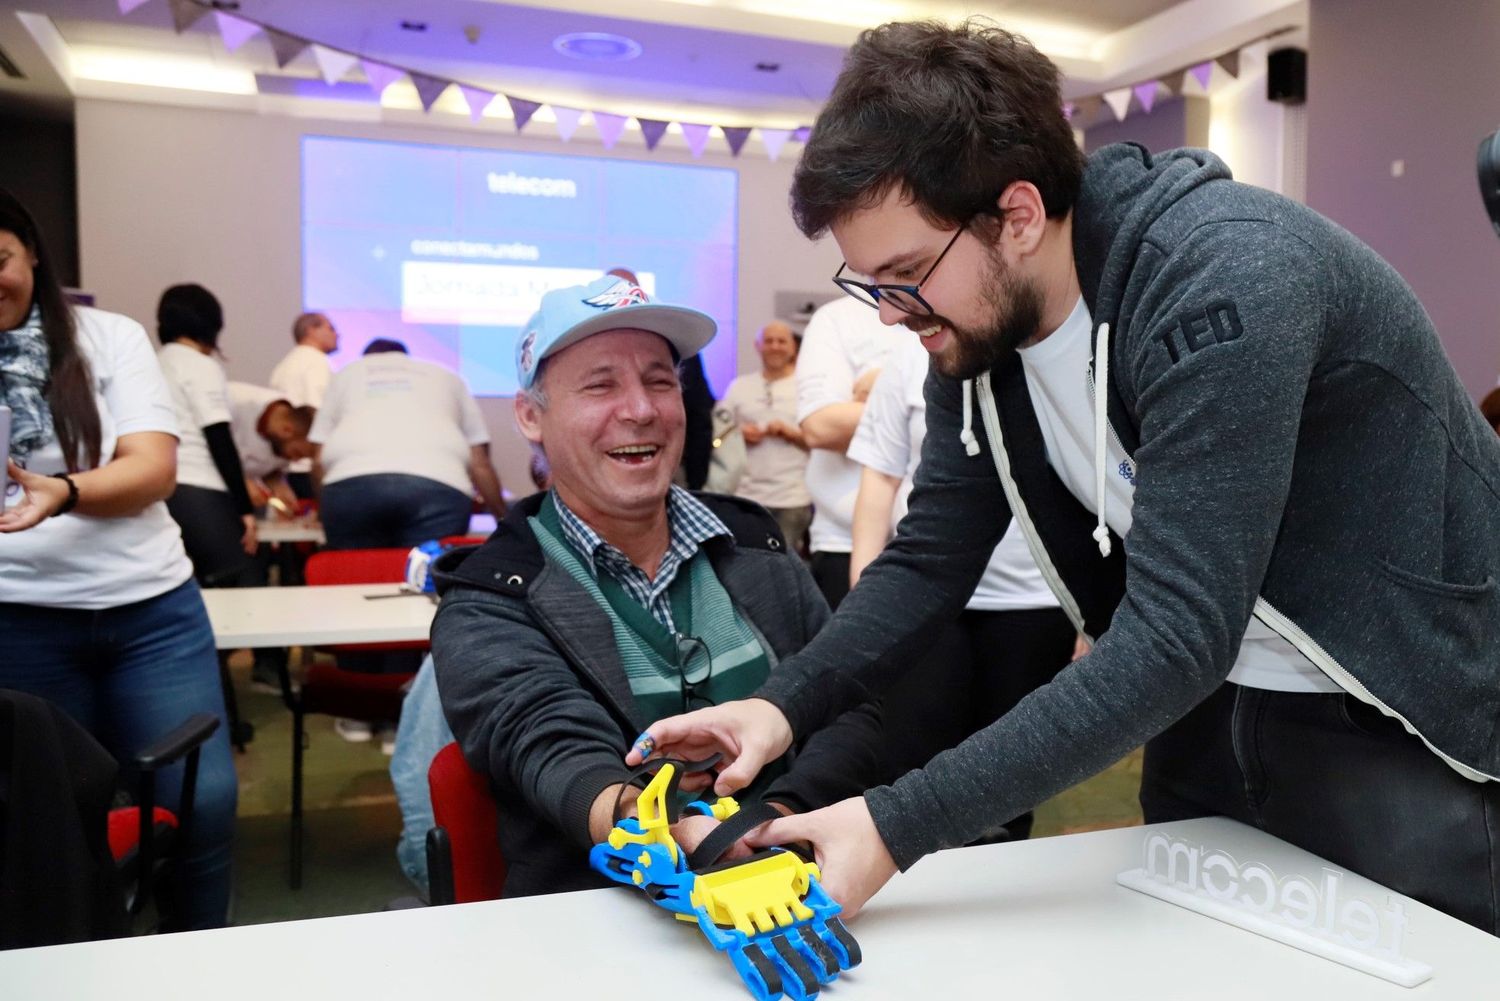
[(906, 298), (695, 665)]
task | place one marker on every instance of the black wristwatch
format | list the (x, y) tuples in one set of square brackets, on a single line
[(72, 500)]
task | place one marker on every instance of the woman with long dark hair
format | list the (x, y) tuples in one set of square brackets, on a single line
[(99, 612)]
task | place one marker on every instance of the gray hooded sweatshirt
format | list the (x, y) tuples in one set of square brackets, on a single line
[(1304, 453)]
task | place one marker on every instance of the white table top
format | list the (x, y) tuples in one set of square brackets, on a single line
[(313, 616), (310, 530), (1036, 920)]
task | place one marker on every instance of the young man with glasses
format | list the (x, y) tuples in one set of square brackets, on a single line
[(615, 597), (1242, 460)]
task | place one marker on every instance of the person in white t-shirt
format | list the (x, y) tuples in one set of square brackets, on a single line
[(270, 434), (842, 351), (99, 613), (302, 376), (401, 449), (1012, 636), (211, 504), (764, 405)]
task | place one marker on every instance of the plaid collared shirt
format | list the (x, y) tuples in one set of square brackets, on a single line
[(689, 525)]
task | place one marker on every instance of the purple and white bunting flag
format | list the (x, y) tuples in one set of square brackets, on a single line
[(735, 136), (477, 100), (333, 64), (610, 128), (380, 76), (235, 31), (696, 136), (185, 14), (774, 140), (1118, 101), (429, 88), (653, 129), (519, 109), (1146, 94), (286, 47), (567, 121)]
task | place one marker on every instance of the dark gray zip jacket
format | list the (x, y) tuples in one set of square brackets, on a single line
[(533, 686), (1304, 453)]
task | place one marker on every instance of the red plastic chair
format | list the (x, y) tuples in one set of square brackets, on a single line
[(464, 863), (332, 690)]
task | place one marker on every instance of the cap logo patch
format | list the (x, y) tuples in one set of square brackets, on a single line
[(528, 352), (621, 294)]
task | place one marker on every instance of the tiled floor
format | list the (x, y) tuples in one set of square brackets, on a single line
[(353, 823)]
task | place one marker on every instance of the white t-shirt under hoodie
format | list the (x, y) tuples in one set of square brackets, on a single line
[(79, 561), (1057, 377), (391, 413)]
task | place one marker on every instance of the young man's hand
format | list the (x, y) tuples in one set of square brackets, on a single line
[(749, 733)]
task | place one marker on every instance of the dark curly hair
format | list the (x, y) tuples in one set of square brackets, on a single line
[(951, 114)]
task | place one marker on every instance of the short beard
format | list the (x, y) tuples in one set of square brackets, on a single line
[(1015, 309)]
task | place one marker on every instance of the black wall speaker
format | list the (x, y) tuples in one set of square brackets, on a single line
[(1286, 76)]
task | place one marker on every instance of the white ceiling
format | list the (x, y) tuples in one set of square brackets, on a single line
[(698, 59)]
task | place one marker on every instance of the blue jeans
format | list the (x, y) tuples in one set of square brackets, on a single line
[(391, 510), (128, 675)]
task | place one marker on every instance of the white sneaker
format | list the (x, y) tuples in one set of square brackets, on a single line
[(386, 733), (353, 730)]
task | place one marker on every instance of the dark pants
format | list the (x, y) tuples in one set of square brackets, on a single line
[(971, 674), (211, 532), (1339, 779), (831, 573), (392, 510), (129, 675)]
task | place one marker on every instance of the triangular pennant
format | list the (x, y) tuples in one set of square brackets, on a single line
[(774, 140), (1146, 94), (235, 31), (1118, 101), (735, 137), (522, 110), (610, 127), (1230, 61), (332, 63), (1202, 74), (567, 121), (126, 6), (380, 76), (1087, 109), (696, 136), (1173, 81), (429, 88), (185, 14), (478, 100), (802, 134), (653, 129), (287, 47)]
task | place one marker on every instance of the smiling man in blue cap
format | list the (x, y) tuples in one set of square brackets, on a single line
[(615, 598)]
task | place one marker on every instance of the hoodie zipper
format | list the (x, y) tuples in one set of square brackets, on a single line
[(1018, 508)]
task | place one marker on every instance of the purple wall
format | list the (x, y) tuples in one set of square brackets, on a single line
[(1400, 80)]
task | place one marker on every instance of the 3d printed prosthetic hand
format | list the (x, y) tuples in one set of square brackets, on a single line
[(768, 912)]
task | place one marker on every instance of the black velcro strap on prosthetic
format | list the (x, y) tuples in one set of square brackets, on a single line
[(723, 837)]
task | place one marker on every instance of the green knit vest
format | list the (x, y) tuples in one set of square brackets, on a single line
[(649, 652)]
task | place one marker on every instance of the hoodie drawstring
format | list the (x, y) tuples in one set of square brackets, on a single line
[(971, 444), (1101, 430)]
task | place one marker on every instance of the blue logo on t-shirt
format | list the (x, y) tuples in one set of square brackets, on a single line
[(1127, 472)]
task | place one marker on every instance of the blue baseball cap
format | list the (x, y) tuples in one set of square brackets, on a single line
[(568, 315)]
